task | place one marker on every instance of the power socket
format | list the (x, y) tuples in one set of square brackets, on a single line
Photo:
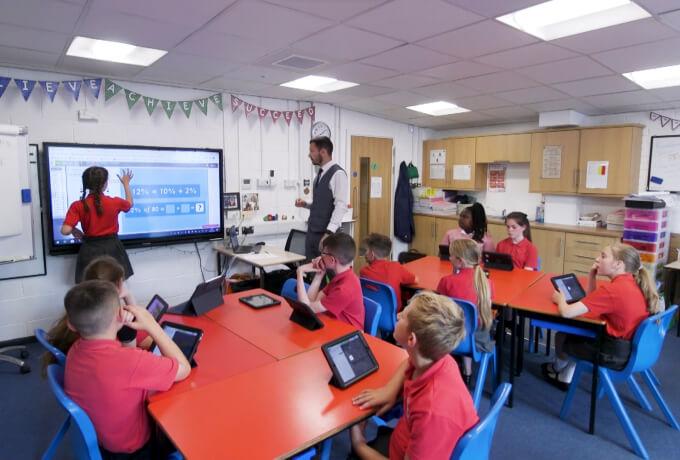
[(248, 230)]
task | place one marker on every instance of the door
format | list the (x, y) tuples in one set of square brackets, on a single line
[(371, 188), (564, 181)]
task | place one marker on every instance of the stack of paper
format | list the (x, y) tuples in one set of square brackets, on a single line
[(615, 220)]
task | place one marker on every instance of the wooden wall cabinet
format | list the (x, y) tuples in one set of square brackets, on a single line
[(569, 142), (512, 148), (462, 152), (433, 144)]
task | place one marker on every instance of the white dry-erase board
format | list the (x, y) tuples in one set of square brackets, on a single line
[(23, 254), (664, 164)]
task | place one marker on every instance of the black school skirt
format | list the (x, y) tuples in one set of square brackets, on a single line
[(93, 247), (613, 352)]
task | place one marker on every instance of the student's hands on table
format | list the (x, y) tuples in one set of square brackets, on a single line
[(558, 297), (380, 399)]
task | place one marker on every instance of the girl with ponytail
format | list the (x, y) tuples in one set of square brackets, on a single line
[(97, 214), (622, 304), (469, 282)]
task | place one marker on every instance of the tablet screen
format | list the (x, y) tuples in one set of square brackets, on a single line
[(259, 301), (157, 307), (570, 287), (351, 358), (184, 338)]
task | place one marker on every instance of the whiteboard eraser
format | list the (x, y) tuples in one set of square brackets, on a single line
[(25, 195)]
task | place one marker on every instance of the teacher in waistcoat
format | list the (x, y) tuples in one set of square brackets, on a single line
[(329, 200)]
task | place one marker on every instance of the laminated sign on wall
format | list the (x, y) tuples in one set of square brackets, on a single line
[(596, 174), (552, 162), (438, 164)]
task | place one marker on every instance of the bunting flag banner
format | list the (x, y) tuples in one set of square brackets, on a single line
[(664, 120), (186, 107), (74, 87), (217, 99), (131, 97), (150, 103), (288, 116), (275, 115), (654, 116), (674, 124), (311, 111), (4, 82), (26, 87), (110, 89), (95, 85), (202, 105), (235, 103), (249, 108), (169, 107), (262, 112), (50, 88), (300, 114)]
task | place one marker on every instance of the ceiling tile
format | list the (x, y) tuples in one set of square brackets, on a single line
[(359, 73), (185, 68), (515, 113), (598, 85), (37, 40), (666, 94), (221, 46), (478, 39), (266, 23), (91, 67), (531, 95), (334, 10), (630, 33), (107, 24), (494, 8), (401, 113), (408, 58), (565, 104), (457, 70), (482, 102), (364, 105), (169, 11), (232, 86), (336, 97), (536, 53), (446, 91), (410, 24), (495, 82), (568, 69), (365, 91), (406, 81), (263, 75), (30, 58), (671, 19), (40, 14), (346, 43), (433, 122), (401, 98), (281, 92), (658, 6), (606, 101), (639, 57)]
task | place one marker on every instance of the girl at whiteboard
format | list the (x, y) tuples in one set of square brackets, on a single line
[(98, 216)]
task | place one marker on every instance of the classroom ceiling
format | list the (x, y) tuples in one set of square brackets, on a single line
[(402, 52)]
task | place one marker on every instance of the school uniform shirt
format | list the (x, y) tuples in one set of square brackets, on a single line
[(620, 304), (391, 273), (524, 254), (93, 224), (111, 384), (343, 299), (487, 244), (438, 410)]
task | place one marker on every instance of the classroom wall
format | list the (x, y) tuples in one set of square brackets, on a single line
[(251, 149)]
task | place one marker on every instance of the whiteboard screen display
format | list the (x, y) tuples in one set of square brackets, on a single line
[(664, 164)]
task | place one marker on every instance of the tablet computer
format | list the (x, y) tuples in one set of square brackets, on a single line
[(259, 301), (187, 339), (157, 307), (444, 252), (350, 359), (497, 260), (569, 286), (304, 315)]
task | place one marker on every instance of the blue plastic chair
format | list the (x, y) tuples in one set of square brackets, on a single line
[(467, 347), (386, 298), (41, 335), (475, 444), (372, 311), (647, 344), (289, 288), (306, 455)]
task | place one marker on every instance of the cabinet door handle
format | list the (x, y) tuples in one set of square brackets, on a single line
[(592, 243), (575, 178), (561, 248)]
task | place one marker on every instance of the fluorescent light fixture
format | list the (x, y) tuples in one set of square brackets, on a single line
[(104, 50), (660, 77), (319, 84), (561, 18), (438, 108)]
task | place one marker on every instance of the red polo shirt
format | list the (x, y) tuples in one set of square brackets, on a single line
[(111, 383), (524, 254), (389, 272), (461, 285), (93, 224), (343, 299), (620, 304), (438, 410)]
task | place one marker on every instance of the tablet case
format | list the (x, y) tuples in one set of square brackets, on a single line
[(206, 297), (444, 252), (334, 381), (307, 320), (497, 260)]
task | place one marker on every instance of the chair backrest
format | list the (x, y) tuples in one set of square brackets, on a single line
[(372, 311), (41, 335), (386, 298), (648, 340), (467, 346), (475, 444), (540, 264), (296, 241), (83, 435), (409, 256), (289, 288)]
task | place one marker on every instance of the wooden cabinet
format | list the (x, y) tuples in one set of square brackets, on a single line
[(461, 154), (621, 148), (498, 232), (550, 245), (581, 251), (513, 148), (518, 148), (568, 142), (433, 144), (424, 234)]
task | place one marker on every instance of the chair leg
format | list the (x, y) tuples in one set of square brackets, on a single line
[(494, 369), (51, 449), (659, 399), (637, 392), (655, 379), (532, 346), (548, 336), (566, 404), (326, 447), (23, 366), (481, 377), (622, 415)]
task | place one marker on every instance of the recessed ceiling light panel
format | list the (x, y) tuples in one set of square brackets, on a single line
[(438, 108), (104, 50), (660, 77), (319, 84)]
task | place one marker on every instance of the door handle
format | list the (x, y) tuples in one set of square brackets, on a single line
[(355, 203)]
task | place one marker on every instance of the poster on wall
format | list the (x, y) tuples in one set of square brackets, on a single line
[(376, 187), (596, 174), (250, 202), (552, 162), (496, 178)]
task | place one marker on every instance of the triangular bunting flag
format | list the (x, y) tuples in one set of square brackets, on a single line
[(664, 121), (300, 114), (150, 103), (4, 82), (73, 86), (110, 89), (262, 112), (654, 116), (202, 105), (186, 107), (95, 85), (26, 87), (288, 116), (311, 111), (168, 106), (217, 99), (675, 124), (131, 97), (50, 88), (275, 115), (235, 103), (249, 108)]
